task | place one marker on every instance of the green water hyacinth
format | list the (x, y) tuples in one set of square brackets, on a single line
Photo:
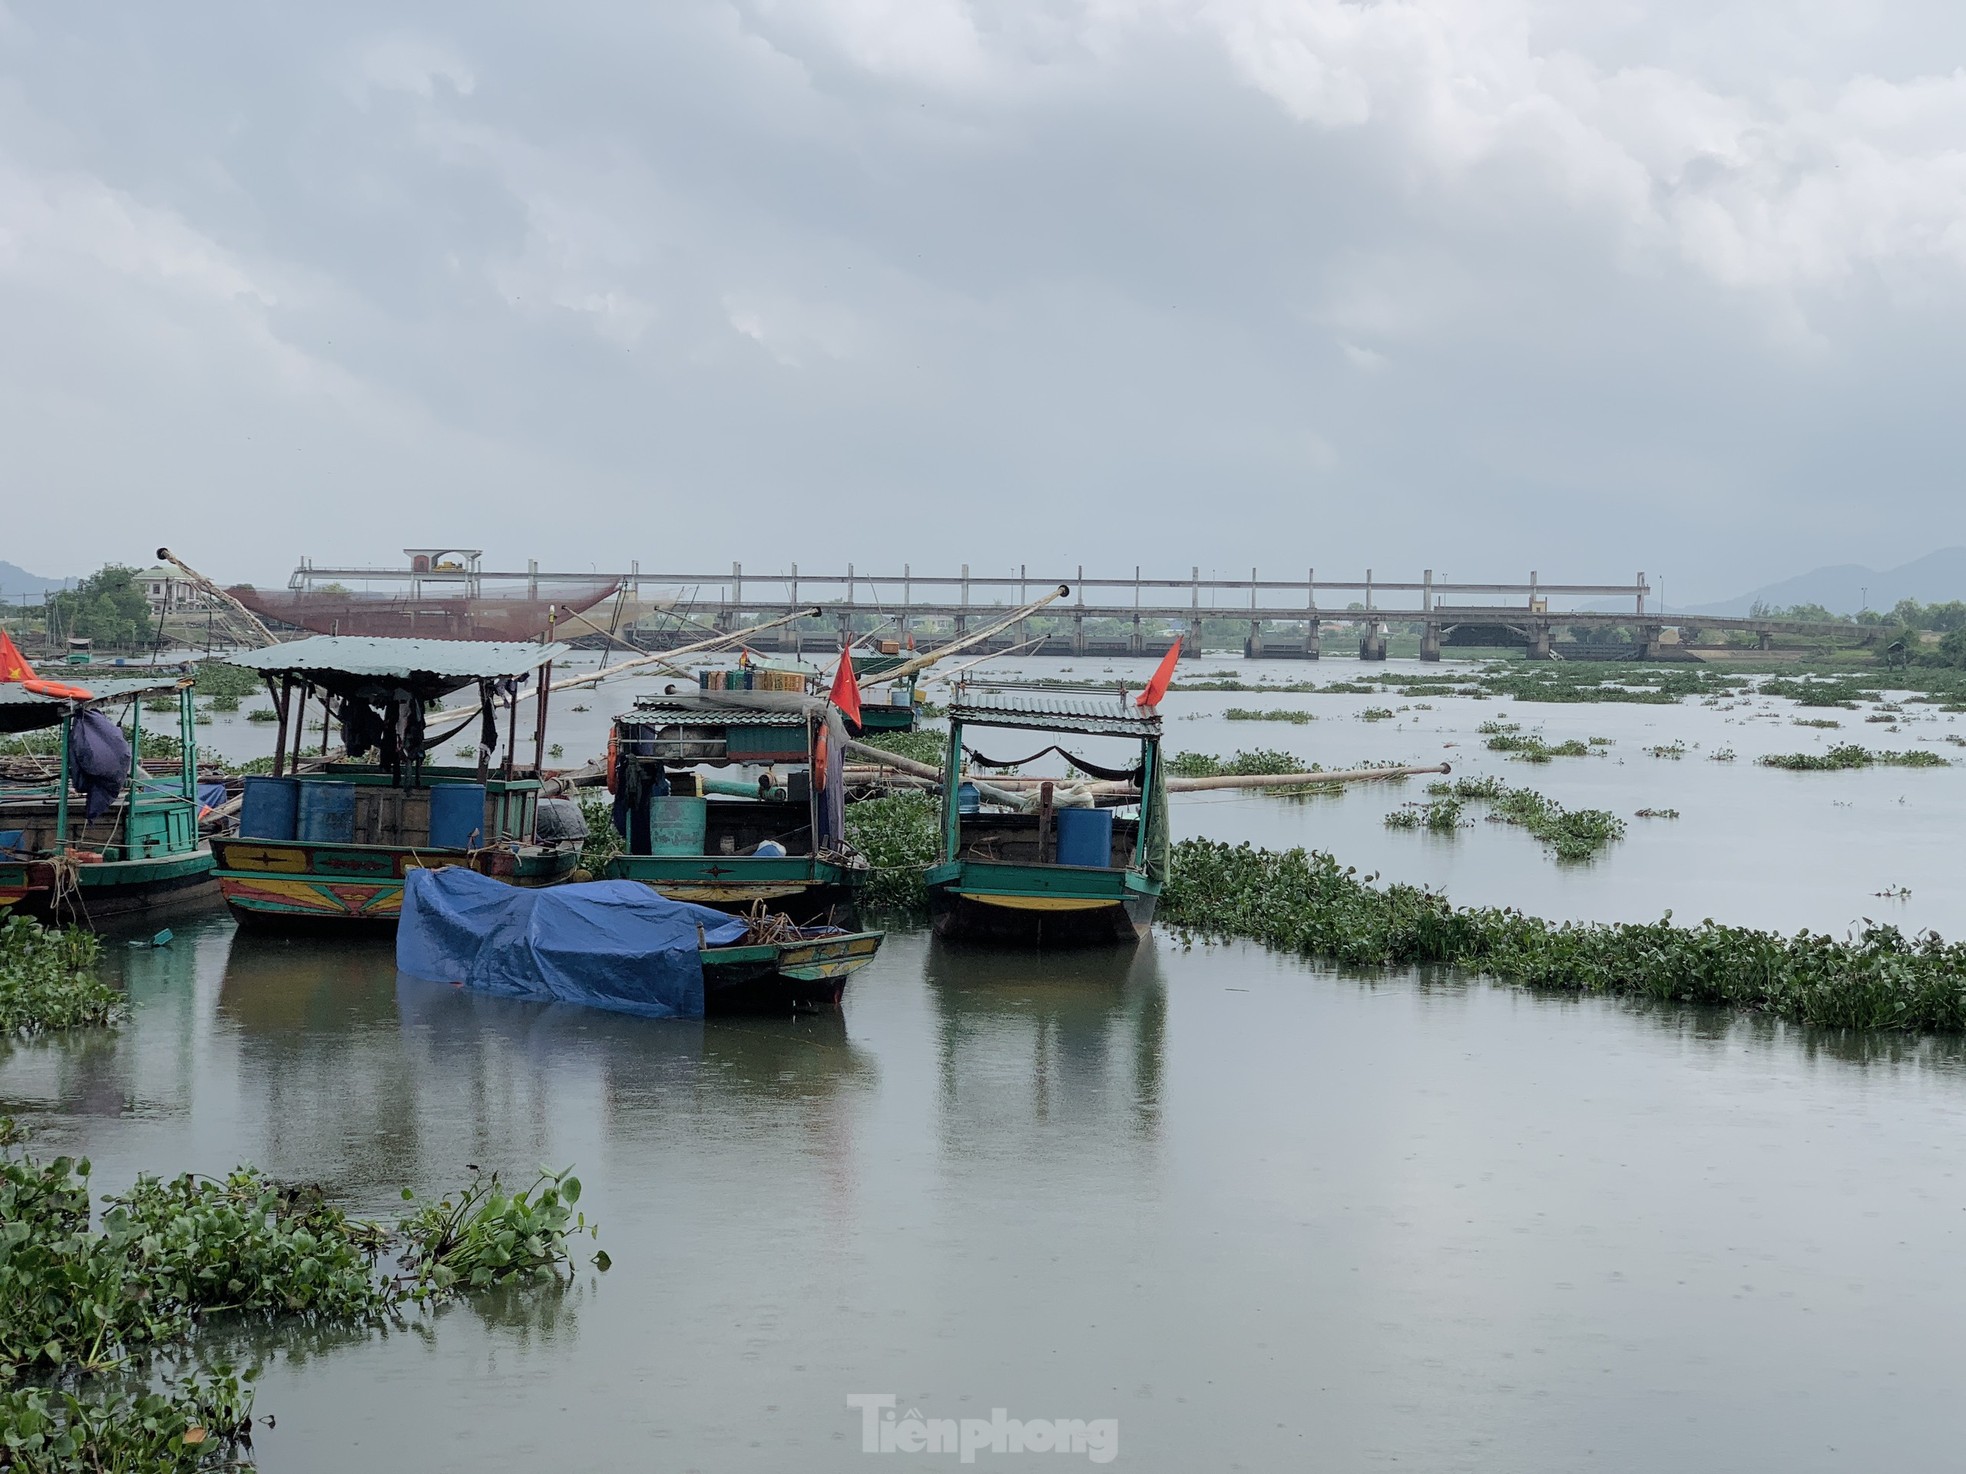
[(48, 980), (1303, 902), (485, 1236), (1849, 755), (897, 834)]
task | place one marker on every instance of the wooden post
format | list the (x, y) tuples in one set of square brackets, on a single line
[(511, 729), (300, 723), (484, 755), (545, 678), (280, 714)]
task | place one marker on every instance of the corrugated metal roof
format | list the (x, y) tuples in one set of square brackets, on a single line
[(1075, 712), (699, 716), (374, 656), (26, 711)]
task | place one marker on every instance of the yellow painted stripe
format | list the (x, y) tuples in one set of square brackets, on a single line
[(1036, 903)]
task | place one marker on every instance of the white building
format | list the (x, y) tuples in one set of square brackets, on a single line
[(169, 591)]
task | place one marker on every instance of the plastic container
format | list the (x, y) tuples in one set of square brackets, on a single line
[(457, 816), (325, 813), (1085, 837), (677, 826), (968, 800), (269, 808), (899, 696)]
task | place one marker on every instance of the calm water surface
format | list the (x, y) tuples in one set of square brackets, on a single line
[(1266, 1215)]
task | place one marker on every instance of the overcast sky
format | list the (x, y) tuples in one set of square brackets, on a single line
[(1476, 285)]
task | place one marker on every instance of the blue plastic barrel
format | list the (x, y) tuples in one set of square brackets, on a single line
[(269, 808), (457, 816), (677, 825), (1085, 837), (325, 813), (968, 800)]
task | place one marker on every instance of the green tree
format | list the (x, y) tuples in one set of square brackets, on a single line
[(108, 606)]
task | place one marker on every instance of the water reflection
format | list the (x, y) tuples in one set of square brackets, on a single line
[(1042, 1039)]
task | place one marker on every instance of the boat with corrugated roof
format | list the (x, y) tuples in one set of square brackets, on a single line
[(331, 844), (97, 840), (1064, 863), (735, 799)]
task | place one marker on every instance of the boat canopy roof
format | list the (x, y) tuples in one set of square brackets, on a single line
[(429, 668), (1093, 711), (790, 709), (29, 711)]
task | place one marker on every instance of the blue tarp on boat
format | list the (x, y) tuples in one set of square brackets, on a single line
[(607, 943)]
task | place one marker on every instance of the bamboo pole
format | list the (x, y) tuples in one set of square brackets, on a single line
[(923, 662)]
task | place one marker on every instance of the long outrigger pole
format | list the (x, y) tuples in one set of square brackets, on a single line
[(923, 662)]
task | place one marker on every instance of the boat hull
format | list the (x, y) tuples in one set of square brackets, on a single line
[(112, 889), (288, 884), (807, 975), (811, 892), (1039, 905)]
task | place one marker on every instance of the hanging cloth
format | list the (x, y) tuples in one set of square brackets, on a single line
[(98, 760)]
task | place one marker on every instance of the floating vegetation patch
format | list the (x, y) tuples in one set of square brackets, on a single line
[(922, 745), (1722, 755), (1850, 755), (1529, 748), (48, 980), (603, 841), (897, 835), (1674, 750), (1573, 834), (1262, 761), (81, 1307), (1276, 714), (1304, 902), (1442, 815), (226, 682), (1657, 814), (1815, 722), (1376, 714)]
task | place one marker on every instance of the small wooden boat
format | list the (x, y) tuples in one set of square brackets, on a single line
[(331, 846), (143, 856), (772, 836), (802, 973), (886, 706), (1058, 874)]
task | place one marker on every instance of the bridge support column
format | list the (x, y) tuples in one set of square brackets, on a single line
[(1648, 641), (1372, 644), (1539, 643), (1136, 643), (1252, 648), (1764, 640), (846, 629), (1191, 639), (1430, 641), (1313, 640), (1078, 634)]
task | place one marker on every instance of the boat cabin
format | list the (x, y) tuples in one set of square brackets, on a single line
[(1076, 857)]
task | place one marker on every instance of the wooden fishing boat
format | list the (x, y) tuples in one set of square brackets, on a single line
[(1063, 872), (806, 972), (331, 846), (143, 856), (893, 707), (772, 835)]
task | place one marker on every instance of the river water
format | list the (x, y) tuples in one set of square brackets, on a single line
[(1262, 1214)]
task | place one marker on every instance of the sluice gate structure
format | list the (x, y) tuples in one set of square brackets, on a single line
[(1283, 618)]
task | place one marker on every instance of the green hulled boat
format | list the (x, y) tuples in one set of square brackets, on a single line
[(140, 856), (1063, 872), (331, 846), (733, 799)]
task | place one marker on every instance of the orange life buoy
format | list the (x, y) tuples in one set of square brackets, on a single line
[(58, 689)]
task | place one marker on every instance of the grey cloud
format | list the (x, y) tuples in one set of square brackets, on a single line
[(1473, 286)]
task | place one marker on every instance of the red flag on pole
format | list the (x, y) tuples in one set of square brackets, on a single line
[(846, 689), (1157, 687), (13, 666)]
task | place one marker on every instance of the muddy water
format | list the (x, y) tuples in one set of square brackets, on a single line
[(1264, 1215)]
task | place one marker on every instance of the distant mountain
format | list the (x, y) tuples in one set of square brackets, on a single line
[(1844, 588), (17, 581)]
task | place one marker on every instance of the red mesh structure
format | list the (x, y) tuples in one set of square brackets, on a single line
[(520, 616)]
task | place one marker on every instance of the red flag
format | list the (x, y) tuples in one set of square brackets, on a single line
[(1157, 687), (846, 689), (12, 666)]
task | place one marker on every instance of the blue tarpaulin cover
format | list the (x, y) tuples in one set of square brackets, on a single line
[(607, 943)]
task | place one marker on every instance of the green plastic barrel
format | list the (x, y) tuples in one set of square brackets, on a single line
[(677, 825)]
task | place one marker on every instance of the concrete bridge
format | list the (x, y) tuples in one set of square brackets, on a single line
[(1285, 618)]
